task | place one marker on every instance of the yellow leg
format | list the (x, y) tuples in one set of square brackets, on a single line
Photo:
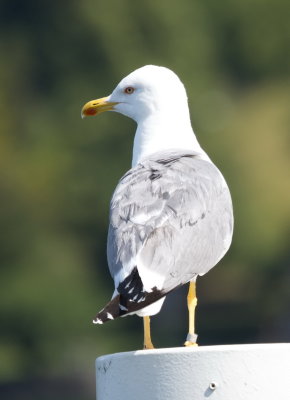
[(191, 304), (147, 335)]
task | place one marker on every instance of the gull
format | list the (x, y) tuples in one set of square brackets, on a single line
[(171, 215)]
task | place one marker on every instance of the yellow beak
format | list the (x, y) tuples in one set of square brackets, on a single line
[(95, 107)]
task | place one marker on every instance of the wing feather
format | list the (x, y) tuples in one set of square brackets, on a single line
[(171, 218)]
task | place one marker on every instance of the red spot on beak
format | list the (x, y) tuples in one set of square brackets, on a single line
[(90, 111)]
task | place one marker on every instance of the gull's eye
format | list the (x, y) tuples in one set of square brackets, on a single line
[(129, 90)]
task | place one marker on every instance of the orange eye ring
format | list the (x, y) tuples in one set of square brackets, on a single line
[(129, 90)]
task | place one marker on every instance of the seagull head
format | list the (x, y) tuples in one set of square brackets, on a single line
[(147, 91), (156, 99)]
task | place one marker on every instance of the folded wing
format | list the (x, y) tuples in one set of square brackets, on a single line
[(170, 220)]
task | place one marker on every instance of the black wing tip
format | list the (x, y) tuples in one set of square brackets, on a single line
[(121, 306), (102, 317), (131, 298), (110, 312)]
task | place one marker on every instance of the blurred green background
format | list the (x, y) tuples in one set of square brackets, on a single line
[(58, 172)]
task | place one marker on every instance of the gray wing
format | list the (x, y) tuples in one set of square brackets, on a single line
[(170, 220)]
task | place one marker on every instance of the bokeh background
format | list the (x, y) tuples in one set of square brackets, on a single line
[(57, 174)]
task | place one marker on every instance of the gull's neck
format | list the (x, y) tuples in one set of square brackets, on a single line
[(160, 132)]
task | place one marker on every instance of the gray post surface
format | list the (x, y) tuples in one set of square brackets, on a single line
[(231, 372)]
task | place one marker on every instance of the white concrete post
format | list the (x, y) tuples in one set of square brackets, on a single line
[(238, 372)]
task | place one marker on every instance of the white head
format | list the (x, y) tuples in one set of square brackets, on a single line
[(156, 99), (148, 91)]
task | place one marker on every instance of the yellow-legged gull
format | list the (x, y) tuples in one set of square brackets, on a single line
[(171, 215)]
